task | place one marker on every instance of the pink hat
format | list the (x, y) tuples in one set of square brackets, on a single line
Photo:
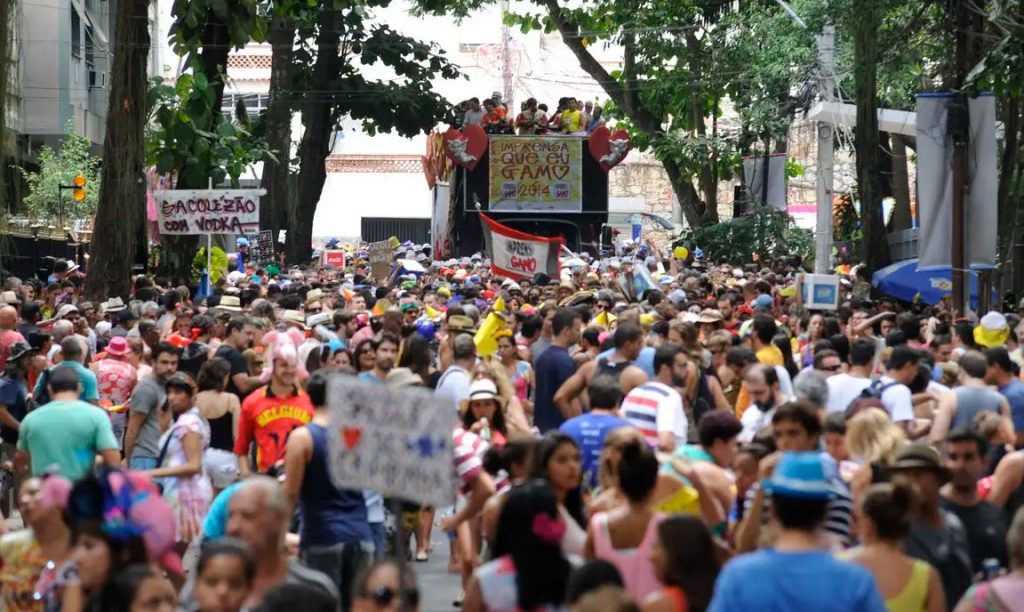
[(118, 347)]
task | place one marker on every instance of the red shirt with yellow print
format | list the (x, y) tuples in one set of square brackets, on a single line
[(269, 420)]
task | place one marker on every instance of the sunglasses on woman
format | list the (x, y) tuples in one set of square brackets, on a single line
[(383, 596)]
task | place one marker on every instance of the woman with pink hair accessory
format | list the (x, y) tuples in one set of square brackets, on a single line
[(35, 561), (118, 518)]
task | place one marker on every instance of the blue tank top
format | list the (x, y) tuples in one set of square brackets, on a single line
[(329, 515)]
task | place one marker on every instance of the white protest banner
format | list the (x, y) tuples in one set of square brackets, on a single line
[(208, 211), (395, 440), (518, 255)]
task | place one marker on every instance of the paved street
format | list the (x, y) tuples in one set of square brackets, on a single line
[(438, 588)]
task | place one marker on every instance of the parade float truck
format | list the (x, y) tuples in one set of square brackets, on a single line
[(552, 186)]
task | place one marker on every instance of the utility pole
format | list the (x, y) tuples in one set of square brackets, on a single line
[(826, 153), (506, 59), (958, 128)]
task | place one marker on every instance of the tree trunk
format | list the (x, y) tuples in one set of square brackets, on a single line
[(274, 205), (1007, 206), (317, 121), (120, 216), (179, 250), (867, 18), (902, 215)]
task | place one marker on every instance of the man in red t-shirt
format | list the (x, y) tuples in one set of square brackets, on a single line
[(270, 413)]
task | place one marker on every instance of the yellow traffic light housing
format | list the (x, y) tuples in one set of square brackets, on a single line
[(79, 191)]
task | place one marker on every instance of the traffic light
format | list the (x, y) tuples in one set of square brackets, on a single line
[(79, 191)]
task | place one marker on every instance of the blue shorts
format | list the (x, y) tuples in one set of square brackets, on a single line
[(137, 463)]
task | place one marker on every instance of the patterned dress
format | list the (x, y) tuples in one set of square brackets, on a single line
[(189, 496)]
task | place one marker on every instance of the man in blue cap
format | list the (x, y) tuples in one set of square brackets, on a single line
[(799, 572)]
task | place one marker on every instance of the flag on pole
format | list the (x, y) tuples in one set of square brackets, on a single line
[(518, 255)]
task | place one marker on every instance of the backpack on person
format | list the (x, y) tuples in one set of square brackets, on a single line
[(870, 397)]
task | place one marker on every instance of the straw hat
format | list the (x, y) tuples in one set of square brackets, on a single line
[(294, 317), (461, 323), (403, 377), (9, 297), (114, 304), (710, 315), (314, 295), (230, 302)]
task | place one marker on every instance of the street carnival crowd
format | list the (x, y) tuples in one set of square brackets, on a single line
[(638, 433)]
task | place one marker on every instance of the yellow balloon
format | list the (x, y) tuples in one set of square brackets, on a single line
[(681, 252)]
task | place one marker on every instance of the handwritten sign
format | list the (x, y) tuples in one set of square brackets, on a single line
[(261, 247), (334, 258), (381, 254), (536, 174), (395, 440), (208, 211)]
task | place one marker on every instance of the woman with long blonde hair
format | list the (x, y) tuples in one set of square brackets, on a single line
[(874, 440), (608, 495)]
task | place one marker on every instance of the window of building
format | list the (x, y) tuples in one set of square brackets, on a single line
[(90, 49), (76, 34)]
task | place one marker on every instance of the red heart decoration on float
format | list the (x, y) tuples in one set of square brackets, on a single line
[(351, 436), (465, 147), (609, 149)]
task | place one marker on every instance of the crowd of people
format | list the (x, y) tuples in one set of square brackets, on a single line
[(571, 117), (639, 433)]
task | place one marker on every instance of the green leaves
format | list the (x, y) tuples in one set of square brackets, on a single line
[(188, 135), (766, 233), (59, 167)]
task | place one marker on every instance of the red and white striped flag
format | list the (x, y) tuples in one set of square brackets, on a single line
[(518, 255)]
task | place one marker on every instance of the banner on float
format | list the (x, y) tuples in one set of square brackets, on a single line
[(535, 174), (183, 212), (518, 255), (935, 182), (394, 440), (440, 223)]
